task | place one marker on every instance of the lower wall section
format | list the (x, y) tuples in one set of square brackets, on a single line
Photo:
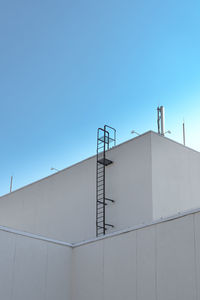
[(32, 269), (159, 262)]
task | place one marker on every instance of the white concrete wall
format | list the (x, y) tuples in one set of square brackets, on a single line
[(175, 177), (151, 177), (159, 262), (63, 206), (32, 269)]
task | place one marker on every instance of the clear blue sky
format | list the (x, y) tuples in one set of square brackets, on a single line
[(68, 67)]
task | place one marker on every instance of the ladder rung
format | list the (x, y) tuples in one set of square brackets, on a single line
[(100, 190), (101, 227), (100, 167), (100, 172), (100, 209), (102, 202), (99, 195), (101, 187), (100, 178)]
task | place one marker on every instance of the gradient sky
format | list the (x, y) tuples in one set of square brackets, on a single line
[(69, 67)]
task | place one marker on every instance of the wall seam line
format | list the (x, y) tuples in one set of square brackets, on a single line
[(156, 264), (136, 249), (13, 273), (195, 258)]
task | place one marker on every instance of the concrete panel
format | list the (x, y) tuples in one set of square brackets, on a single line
[(120, 267), (88, 272), (160, 262), (59, 270), (146, 263), (175, 177), (175, 260), (34, 269), (7, 254), (197, 251), (29, 269)]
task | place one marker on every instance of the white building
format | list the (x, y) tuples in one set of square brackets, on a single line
[(49, 248)]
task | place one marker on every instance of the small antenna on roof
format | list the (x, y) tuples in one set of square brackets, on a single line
[(11, 183), (161, 120), (183, 132)]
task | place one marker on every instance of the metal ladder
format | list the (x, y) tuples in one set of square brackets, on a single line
[(106, 138)]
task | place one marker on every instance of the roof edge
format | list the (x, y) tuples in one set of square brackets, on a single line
[(137, 227), (113, 234)]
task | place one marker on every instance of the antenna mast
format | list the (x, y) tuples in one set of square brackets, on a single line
[(161, 120), (11, 183), (183, 133)]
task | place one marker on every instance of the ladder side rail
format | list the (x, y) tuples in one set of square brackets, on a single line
[(100, 173), (97, 183), (104, 156), (106, 135)]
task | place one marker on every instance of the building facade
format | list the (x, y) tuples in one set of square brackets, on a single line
[(48, 228)]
